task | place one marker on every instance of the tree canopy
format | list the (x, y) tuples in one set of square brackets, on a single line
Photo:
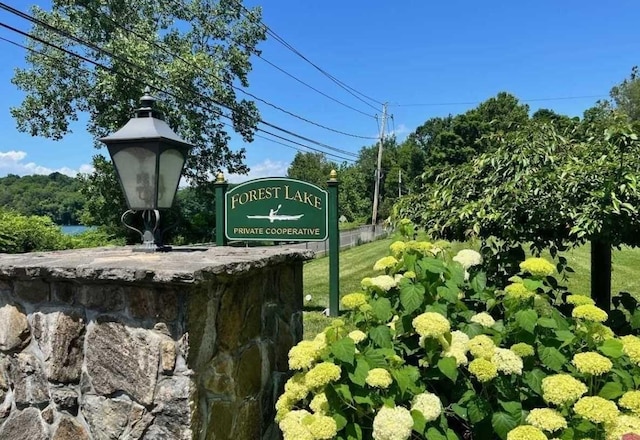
[(540, 187), (190, 52), (55, 196)]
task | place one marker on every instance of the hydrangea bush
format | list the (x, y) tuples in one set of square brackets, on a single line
[(428, 350)]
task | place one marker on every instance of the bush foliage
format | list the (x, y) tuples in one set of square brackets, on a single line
[(22, 233), (428, 349)]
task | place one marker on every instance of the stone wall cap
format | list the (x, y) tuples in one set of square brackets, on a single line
[(182, 265)]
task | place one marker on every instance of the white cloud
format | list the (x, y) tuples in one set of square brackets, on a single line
[(13, 162), (400, 130), (266, 168)]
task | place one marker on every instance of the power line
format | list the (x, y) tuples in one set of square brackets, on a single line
[(302, 145), (140, 81), (562, 98), (95, 47), (112, 55), (341, 84), (313, 88)]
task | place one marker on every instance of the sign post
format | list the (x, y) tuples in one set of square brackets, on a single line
[(220, 188), (334, 246)]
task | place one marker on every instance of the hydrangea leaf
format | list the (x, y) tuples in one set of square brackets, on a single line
[(449, 294), (360, 373), (433, 265), (344, 350), (448, 367), (479, 282), (552, 358), (381, 336), (527, 320), (533, 379), (435, 434), (353, 432), (419, 423), (503, 422), (611, 390), (411, 296), (611, 348), (382, 309), (341, 421), (478, 409), (547, 322)]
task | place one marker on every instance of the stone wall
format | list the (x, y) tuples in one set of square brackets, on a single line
[(114, 344)]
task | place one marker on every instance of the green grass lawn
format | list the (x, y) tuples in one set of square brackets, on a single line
[(357, 263)]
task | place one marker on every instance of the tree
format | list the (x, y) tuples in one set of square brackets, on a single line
[(562, 123), (455, 140), (55, 196), (626, 95), (189, 52), (543, 188), (312, 168)]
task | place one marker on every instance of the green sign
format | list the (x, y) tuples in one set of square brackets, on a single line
[(278, 209)]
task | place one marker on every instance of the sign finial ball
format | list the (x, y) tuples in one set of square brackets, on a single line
[(333, 175)]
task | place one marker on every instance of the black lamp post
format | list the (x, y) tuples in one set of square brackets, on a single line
[(149, 158)]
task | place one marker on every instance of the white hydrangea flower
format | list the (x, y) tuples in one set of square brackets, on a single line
[(468, 258), (429, 405), (484, 319), (392, 424)]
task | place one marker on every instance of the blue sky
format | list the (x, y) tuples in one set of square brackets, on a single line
[(449, 55)]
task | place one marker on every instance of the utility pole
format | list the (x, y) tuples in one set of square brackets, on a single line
[(376, 192), (399, 183)]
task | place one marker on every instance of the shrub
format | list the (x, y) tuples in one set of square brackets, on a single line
[(439, 354), (21, 233)]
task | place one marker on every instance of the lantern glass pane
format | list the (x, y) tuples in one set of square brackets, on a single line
[(137, 169), (171, 162)]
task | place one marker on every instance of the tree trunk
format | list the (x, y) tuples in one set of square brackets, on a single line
[(601, 273)]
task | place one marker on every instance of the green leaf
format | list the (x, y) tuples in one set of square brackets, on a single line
[(448, 367), (360, 373), (478, 409), (460, 411), (344, 391), (382, 309), (567, 434), (552, 358), (547, 323), (433, 265), (513, 408), (479, 282), (344, 350), (527, 320), (451, 435), (353, 432), (611, 390), (532, 285), (565, 336), (364, 399), (409, 261), (449, 294), (625, 377), (435, 434), (411, 296), (533, 379), (419, 422), (611, 348), (341, 421), (375, 358), (503, 422), (381, 336)]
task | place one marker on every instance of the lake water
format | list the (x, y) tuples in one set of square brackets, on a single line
[(74, 229)]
